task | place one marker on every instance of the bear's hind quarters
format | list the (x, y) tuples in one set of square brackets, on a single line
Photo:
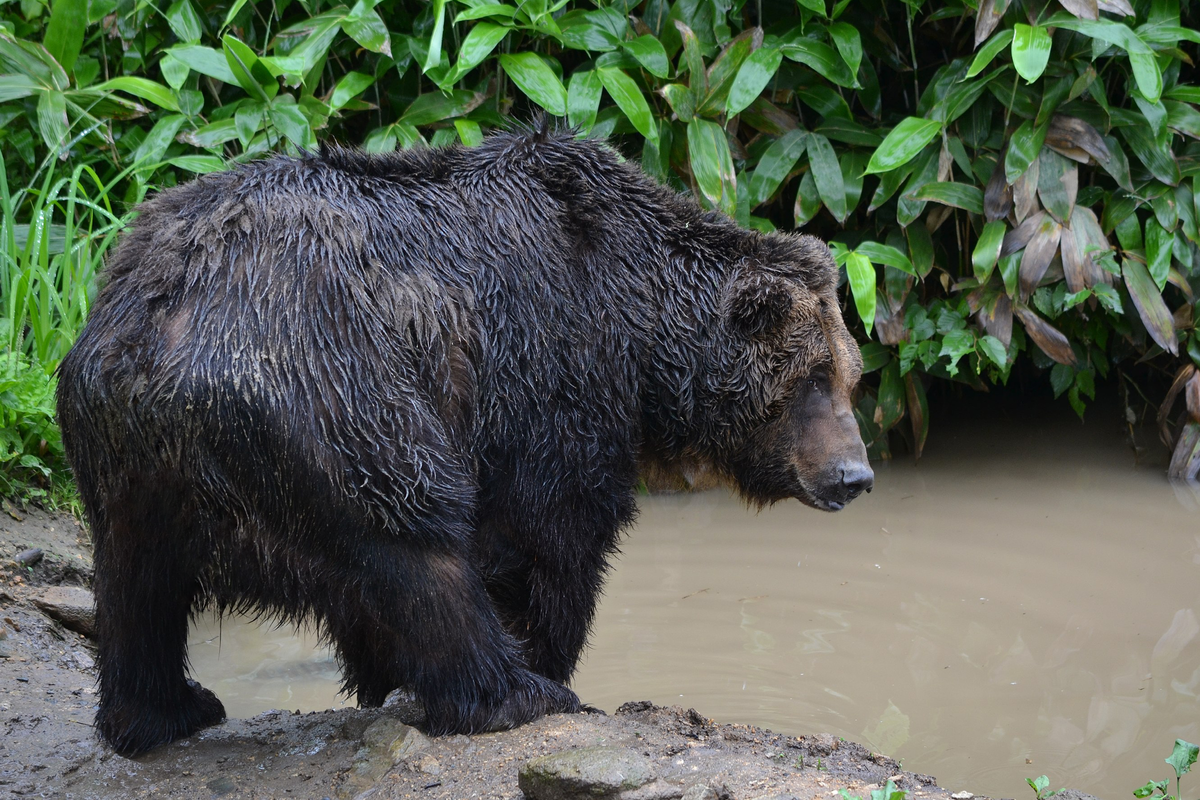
[(132, 727)]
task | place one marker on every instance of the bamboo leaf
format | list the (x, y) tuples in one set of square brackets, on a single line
[(534, 77), (1159, 244), (755, 73), (583, 99), (1038, 254), (144, 88), (989, 51), (775, 165), (987, 249), (861, 275), (827, 173), (1030, 50), (886, 255), (1046, 336), (650, 54), (64, 33), (712, 164), (890, 408), (903, 144), (959, 195), (628, 97), (1147, 298), (478, 45)]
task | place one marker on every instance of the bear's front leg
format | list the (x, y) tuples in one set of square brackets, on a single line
[(545, 563)]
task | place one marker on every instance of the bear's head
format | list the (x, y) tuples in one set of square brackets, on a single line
[(797, 436)]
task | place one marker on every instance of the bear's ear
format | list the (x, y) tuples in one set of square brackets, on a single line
[(760, 304)]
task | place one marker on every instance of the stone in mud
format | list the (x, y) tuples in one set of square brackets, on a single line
[(585, 772), (385, 743), (73, 606), (27, 558)]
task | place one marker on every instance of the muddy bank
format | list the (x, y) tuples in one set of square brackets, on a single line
[(47, 748)]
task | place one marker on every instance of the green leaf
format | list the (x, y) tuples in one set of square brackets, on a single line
[(1023, 147), (478, 45), (365, 26), (875, 356), (350, 86), (1030, 50), (1147, 297), (808, 202), (201, 165), (903, 144), (887, 255), (52, 119), (469, 132), (712, 164), (233, 12), (144, 88), (1141, 58), (756, 72), (15, 87), (1158, 252), (849, 44), (64, 33), (160, 137), (890, 404), (497, 10), (534, 77), (681, 99), (775, 165), (204, 60), (249, 120), (987, 250), (994, 349), (820, 57), (583, 99), (433, 55), (185, 22), (437, 106), (650, 54), (861, 275), (290, 121), (1158, 158), (955, 345), (827, 173), (249, 74), (959, 195), (628, 97), (989, 51)]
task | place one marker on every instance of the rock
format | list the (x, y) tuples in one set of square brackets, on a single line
[(221, 786), (408, 744), (27, 558), (588, 772), (1074, 794), (961, 796), (385, 743), (73, 606)]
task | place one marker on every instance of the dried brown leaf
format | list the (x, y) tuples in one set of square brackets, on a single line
[(1193, 397), (1068, 135), (1073, 261), (998, 196), (1025, 192), (1182, 378), (987, 18), (1150, 305), (1089, 234), (1084, 9), (1019, 236), (996, 318), (1185, 461), (1038, 255), (1121, 7), (1047, 337)]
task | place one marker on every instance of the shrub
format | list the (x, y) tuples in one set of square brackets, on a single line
[(1013, 183)]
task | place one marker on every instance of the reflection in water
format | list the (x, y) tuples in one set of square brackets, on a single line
[(1022, 602)]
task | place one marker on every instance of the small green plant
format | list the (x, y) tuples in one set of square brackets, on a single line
[(888, 792), (1039, 785), (1182, 757)]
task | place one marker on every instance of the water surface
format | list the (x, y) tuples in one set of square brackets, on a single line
[(1025, 601)]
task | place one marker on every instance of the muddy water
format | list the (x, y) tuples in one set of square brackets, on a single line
[(1026, 601)]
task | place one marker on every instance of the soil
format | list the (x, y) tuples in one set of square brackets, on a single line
[(48, 748)]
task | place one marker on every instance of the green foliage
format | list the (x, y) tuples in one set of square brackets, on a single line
[(888, 792), (1013, 182), (1182, 757), (1039, 785)]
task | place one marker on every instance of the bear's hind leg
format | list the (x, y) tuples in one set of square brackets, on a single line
[(420, 618), (146, 583)]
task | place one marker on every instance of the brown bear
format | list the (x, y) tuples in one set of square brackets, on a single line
[(407, 396)]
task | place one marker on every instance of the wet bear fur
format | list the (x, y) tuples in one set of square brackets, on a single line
[(405, 397)]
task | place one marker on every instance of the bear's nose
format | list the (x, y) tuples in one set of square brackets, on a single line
[(857, 478)]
